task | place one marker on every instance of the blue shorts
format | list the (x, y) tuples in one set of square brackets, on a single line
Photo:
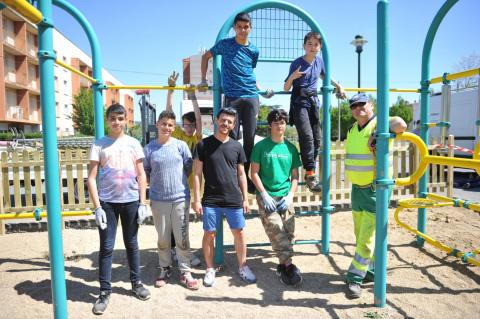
[(212, 216)]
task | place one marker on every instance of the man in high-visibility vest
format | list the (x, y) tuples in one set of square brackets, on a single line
[(360, 170)]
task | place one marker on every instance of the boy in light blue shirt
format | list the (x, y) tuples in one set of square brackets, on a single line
[(168, 163)]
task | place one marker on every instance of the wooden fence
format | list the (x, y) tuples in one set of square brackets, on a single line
[(23, 188)]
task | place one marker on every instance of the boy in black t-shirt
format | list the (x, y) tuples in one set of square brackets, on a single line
[(225, 192)]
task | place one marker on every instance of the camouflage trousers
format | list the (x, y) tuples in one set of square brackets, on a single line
[(279, 228)]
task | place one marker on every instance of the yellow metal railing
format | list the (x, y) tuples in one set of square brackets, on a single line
[(153, 87), (43, 214), (426, 159), (431, 201), (456, 76), (25, 9), (73, 70)]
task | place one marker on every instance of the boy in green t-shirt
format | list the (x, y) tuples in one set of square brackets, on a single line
[(274, 172)]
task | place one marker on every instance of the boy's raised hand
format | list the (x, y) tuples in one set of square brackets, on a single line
[(203, 86), (191, 91), (341, 94), (172, 79)]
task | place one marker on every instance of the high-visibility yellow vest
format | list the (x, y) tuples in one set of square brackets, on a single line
[(359, 161)]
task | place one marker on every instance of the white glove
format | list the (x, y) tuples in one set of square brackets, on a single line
[(268, 202), (101, 218), (142, 213), (283, 204), (268, 93)]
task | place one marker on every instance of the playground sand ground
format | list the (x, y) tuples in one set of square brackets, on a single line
[(421, 283)]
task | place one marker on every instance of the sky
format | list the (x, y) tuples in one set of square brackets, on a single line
[(142, 42)]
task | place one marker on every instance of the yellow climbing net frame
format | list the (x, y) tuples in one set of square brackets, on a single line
[(432, 201)]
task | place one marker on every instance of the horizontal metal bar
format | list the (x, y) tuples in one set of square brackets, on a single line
[(375, 90), (297, 242), (25, 9), (73, 70), (456, 76)]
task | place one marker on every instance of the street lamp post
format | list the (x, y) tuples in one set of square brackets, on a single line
[(358, 43)]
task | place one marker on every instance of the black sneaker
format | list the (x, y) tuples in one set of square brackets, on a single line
[(313, 183), (354, 290), (101, 303), (140, 291), (291, 275), (280, 269)]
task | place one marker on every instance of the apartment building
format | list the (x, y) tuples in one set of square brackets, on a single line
[(20, 85)]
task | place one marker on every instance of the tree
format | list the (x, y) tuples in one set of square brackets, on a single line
[(346, 121), (403, 109), (264, 129), (136, 131), (471, 61), (82, 115)]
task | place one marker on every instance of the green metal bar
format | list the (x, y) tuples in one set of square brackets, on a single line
[(276, 60), (297, 242), (46, 57), (383, 182), (425, 106), (96, 64), (326, 90)]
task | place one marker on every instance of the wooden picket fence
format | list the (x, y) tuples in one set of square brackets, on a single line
[(23, 183)]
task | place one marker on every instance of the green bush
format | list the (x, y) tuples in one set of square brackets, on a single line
[(34, 135), (6, 136)]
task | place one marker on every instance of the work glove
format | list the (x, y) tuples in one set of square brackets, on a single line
[(203, 86), (172, 79), (268, 93), (142, 213), (283, 204), (268, 202), (101, 218)]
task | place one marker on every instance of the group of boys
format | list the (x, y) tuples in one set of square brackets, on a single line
[(178, 159)]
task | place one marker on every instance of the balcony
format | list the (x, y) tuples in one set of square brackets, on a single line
[(15, 112), (34, 116), (12, 49)]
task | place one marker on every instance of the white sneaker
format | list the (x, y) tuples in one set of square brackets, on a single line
[(195, 261), (247, 275), (209, 278)]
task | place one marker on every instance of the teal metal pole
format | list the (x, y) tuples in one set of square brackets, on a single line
[(326, 130), (217, 104), (425, 107), (383, 181), (96, 64), (46, 57)]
